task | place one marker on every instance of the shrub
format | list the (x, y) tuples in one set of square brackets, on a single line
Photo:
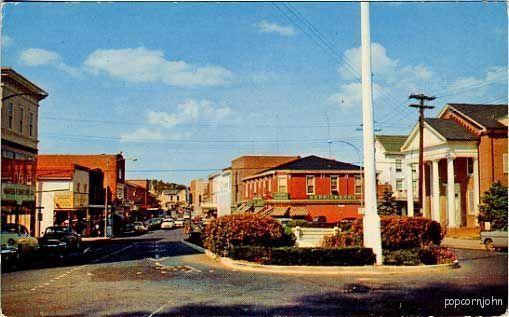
[(494, 206), (226, 232), (402, 257), (397, 233), (415, 256), (304, 256)]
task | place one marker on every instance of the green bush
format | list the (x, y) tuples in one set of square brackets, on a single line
[(427, 255), (225, 232), (494, 206), (304, 256), (340, 240)]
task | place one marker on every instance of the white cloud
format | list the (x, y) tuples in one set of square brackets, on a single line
[(7, 40), (140, 64), (140, 135), (38, 57), (190, 111), (41, 57), (265, 26)]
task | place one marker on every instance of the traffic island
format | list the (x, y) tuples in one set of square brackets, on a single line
[(242, 265)]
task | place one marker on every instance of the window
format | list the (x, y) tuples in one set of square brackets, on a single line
[(31, 124), (470, 166), (310, 185), (21, 117), (506, 164), (358, 184), (414, 188), (10, 115), (78, 187), (85, 188), (399, 184), (471, 204), (398, 166), (281, 184), (119, 173), (334, 187)]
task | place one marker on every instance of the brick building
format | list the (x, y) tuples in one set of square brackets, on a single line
[(20, 108), (308, 188), (197, 193), (113, 169), (465, 151), (248, 165)]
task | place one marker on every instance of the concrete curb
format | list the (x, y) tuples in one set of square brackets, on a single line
[(323, 270)]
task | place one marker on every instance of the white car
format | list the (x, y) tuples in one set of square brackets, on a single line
[(496, 239), (179, 222), (140, 227), (167, 224)]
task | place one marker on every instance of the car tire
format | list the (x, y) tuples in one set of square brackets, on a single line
[(488, 244)]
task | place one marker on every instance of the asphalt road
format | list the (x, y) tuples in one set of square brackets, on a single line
[(156, 275)]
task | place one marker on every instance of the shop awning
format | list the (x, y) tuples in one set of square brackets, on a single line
[(299, 212), (280, 212), (258, 210), (243, 208)]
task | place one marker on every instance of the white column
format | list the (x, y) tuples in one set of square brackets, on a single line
[(424, 203), (476, 187), (371, 220), (451, 207), (409, 190), (435, 192)]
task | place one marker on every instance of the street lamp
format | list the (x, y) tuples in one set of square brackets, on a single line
[(109, 228)]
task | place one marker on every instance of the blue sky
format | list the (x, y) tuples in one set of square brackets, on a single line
[(187, 87)]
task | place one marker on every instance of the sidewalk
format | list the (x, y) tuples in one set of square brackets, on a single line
[(462, 243)]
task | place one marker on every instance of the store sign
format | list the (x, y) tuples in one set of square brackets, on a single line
[(18, 192), (70, 200), (331, 197)]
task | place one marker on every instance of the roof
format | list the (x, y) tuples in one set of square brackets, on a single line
[(172, 191), (7, 71), (486, 115), (450, 129), (279, 212), (391, 143), (313, 162), (58, 172)]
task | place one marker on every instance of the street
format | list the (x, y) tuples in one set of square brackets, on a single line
[(156, 275)]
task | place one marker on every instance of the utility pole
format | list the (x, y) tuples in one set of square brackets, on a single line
[(106, 199), (421, 106), (371, 220)]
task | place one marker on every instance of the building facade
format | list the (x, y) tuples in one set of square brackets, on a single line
[(63, 197), (389, 167), (173, 199), (465, 151), (311, 188), (197, 193), (248, 165), (20, 108)]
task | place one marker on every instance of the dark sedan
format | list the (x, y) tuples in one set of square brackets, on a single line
[(61, 239)]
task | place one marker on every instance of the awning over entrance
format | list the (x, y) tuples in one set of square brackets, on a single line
[(280, 212), (299, 211)]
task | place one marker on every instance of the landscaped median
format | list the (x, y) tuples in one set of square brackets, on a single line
[(258, 243)]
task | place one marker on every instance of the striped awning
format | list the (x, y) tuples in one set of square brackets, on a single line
[(299, 212), (280, 212), (258, 210), (243, 208)]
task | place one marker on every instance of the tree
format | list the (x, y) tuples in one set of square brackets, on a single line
[(494, 206), (387, 205)]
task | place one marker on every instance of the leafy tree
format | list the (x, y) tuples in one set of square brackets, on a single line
[(158, 186), (494, 206), (387, 205)]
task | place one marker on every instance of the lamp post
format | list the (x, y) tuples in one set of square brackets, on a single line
[(109, 228)]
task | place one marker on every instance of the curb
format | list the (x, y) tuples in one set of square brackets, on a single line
[(323, 270)]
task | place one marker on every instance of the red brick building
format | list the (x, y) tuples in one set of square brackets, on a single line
[(308, 188), (248, 165), (465, 151), (138, 196)]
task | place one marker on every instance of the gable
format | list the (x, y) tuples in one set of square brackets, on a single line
[(431, 138)]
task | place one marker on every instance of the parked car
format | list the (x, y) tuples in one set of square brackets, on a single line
[(129, 228), (167, 224), (140, 227), (10, 256), (61, 239), (179, 223), (17, 236), (496, 239), (155, 224)]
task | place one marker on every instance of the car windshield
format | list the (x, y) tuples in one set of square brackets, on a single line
[(57, 230), (10, 228)]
